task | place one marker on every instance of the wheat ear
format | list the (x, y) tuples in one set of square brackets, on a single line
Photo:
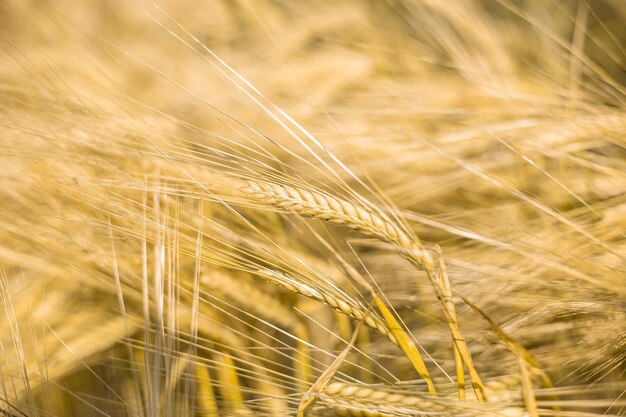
[(357, 400), (389, 327), (326, 207), (339, 211), (343, 305)]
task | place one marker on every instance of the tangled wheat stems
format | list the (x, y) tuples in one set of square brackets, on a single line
[(322, 206)]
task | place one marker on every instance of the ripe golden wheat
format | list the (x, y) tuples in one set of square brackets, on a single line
[(347, 207)]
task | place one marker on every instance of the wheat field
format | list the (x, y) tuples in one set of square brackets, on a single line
[(313, 208)]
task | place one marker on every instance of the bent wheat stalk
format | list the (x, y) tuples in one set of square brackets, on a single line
[(326, 207)]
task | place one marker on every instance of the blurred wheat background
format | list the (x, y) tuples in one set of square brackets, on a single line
[(346, 207)]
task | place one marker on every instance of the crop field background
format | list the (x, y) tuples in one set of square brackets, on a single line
[(378, 208)]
